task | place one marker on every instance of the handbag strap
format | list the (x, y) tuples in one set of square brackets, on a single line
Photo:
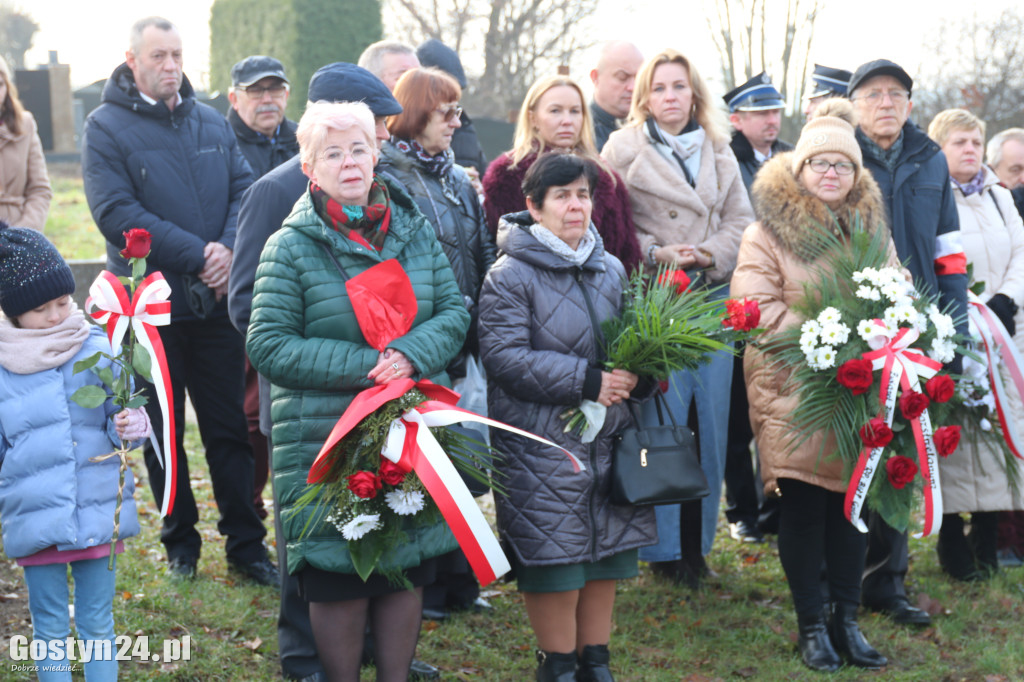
[(334, 259), (660, 404)]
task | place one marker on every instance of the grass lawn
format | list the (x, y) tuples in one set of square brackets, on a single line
[(739, 627)]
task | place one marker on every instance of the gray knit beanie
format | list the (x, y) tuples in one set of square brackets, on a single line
[(32, 271)]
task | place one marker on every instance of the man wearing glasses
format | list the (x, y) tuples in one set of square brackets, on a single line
[(912, 173), (258, 96)]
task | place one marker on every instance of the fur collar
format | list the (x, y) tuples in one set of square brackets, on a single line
[(789, 212)]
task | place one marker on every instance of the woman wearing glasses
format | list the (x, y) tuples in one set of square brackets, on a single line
[(821, 185)]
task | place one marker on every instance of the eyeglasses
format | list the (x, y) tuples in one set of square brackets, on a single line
[(335, 156), (256, 92), (821, 166), (876, 97), (450, 112)]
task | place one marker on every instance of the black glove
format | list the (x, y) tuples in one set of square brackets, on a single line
[(1004, 308)]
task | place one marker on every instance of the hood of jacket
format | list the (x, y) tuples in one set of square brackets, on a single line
[(515, 240), (121, 90), (788, 211)]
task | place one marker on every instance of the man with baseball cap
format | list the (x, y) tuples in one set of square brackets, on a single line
[(912, 173), (258, 96), (827, 82)]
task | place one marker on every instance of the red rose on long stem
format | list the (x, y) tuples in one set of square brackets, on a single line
[(137, 243), (913, 403), (856, 375), (940, 388), (390, 472), (742, 316), (675, 279), (364, 484), (946, 438), (901, 471), (876, 433)]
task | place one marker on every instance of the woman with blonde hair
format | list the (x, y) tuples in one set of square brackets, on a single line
[(690, 208), (555, 117), (974, 478), (24, 185)]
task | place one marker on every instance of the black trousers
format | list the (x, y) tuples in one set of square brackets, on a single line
[(888, 558), (741, 484), (206, 357), (813, 530)]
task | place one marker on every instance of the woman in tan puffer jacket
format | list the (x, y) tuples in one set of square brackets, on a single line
[(821, 183)]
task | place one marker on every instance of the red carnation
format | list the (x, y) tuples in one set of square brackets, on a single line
[(946, 438), (901, 471), (856, 375), (940, 388), (390, 472), (743, 316), (137, 243), (675, 279), (913, 403), (364, 484), (876, 433)]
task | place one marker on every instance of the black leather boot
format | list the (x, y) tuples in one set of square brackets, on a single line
[(849, 640), (555, 667), (594, 664), (815, 646)]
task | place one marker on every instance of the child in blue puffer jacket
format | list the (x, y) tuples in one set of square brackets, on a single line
[(57, 506)]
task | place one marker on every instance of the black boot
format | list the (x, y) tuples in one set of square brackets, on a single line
[(982, 539), (815, 646), (955, 554), (555, 667), (594, 664), (849, 640)]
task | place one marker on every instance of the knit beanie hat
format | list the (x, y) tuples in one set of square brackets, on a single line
[(830, 130), (32, 272)]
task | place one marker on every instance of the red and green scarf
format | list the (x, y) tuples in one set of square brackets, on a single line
[(366, 225)]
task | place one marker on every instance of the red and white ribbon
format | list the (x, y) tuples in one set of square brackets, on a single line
[(999, 345), (412, 446), (902, 367), (150, 307)]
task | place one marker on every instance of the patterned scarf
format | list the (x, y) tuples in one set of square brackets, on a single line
[(887, 157), (366, 225), (439, 164), (976, 184)]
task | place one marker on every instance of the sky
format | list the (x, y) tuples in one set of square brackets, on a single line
[(92, 37)]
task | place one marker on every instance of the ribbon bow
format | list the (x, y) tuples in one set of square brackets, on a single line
[(412, 447), (902, 367), (150, 307), (999, 345)]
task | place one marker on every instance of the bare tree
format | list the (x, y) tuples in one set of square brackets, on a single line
[(516, 41), (17, 28), (983, 74), (752, 37)]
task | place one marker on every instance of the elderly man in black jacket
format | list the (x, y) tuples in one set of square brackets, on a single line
[(155, 158), (258, 96)]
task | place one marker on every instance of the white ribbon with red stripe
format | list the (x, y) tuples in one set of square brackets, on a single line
[(150, 307), (999, 345)]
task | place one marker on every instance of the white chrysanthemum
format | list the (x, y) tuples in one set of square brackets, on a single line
[(867, 293), (826, 357), (933, 310), (867, 330), (810, 327), (921, 323), (405, 503), (865, 275), (834, 334), (829, 314), (905, 313), (942, 350), (360, 526), (943, 325), (891, 317), (809, 345), (892, 291)]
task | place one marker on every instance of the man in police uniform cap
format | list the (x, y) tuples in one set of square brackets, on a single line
[(828, 82), (755, 111)]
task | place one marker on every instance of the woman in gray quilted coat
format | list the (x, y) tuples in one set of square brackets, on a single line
[(540, 313)]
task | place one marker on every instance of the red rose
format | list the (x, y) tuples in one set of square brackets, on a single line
[(364, 484), (901, 471), (940, 388), (856, 375), (742, 316), (390, 472), (876, 433), (946, 438), (912, 404), (675, 279), (137, 243)]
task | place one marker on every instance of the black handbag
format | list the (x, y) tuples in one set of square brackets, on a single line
[(656, 464)]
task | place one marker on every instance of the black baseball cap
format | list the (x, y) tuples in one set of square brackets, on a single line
[(255, 68), (879, 67)]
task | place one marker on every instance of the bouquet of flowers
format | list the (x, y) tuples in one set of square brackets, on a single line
[(130, 309), (866, 366), (665, 327)]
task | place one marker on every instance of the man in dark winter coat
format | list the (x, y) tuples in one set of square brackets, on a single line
[(155, 158), (264, 207), (258, 96), (755, 111), (912, 173)]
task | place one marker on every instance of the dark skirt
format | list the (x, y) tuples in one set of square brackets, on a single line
[(316, 585)]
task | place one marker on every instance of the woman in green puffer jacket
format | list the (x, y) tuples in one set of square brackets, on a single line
[(304, 337)]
